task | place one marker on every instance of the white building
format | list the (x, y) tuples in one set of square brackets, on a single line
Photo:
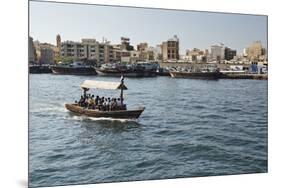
[(217, 52)]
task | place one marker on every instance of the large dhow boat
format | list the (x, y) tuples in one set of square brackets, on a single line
[(139, 69), (76, 68), (203, 73), (121, 113)]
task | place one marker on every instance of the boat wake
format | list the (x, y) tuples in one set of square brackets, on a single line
[(103, 119), (113, 119)]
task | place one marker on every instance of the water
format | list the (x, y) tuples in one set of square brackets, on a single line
[(189, 128)]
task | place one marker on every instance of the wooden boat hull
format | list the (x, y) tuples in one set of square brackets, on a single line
[(74, 71), (39, 69), (115, 73), (196, 75), (118, 114)]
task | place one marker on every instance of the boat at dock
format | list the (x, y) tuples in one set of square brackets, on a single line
[(210, 72), (121, 113), (163, 71), (195, 75), (139, 69), (76, 68), (244, 76), (39, 69)]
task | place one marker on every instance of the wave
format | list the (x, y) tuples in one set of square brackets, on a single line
[(49, 109)]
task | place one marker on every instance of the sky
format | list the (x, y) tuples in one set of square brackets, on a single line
[(194, 29)]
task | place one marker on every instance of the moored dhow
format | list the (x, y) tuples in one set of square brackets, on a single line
[(212, 75), (75, 68), (97, 110), (139, 69)]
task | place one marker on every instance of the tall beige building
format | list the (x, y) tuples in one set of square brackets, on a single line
[(116, 52), (142, 47), (58, 40), (255, 50), (170, 49)]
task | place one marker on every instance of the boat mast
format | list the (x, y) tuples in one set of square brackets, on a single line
[(122, 84), (85, 91)]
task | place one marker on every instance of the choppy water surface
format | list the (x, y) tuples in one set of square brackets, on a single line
[(189, 128)]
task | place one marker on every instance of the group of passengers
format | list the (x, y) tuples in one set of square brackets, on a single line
[(101, 103)]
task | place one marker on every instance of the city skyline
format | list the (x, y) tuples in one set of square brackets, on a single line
[(194, 29)]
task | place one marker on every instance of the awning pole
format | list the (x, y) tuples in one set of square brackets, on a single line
[(121, 94)]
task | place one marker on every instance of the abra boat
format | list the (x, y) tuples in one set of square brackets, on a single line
[(76, 68), (116, 114)]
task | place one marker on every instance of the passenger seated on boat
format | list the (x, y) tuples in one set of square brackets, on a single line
[(81, 101), (110, 104), (107, 105), (119, 106), (90, 102), (85, 104), (104, 105), (94, 105), (114, 104), (99, 103), (97, 100)]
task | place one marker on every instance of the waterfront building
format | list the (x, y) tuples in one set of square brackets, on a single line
[(145, 52), (106, 52), (229, 53), (88, 49), (135, 56), (170, 49), (125, 56), (125, 44), (217, 52), (158, 52), (255, 51), (116, 50), (245, 52), (185, 58), (142, 47), (37, 50), (45, 52), (151, 53), (58, 47), (196, 55), (31, 51), (47, 55)]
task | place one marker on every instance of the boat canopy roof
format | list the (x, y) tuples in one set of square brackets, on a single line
[(102, 85)]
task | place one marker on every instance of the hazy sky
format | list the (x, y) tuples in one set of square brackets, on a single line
[(194, 29)]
